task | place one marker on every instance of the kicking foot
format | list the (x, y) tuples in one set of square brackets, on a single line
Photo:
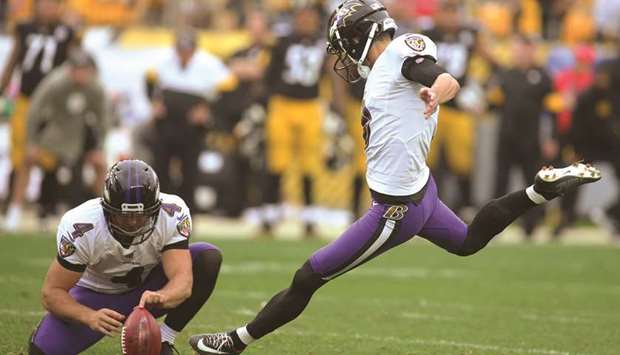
[(218, 343), (551, 182)]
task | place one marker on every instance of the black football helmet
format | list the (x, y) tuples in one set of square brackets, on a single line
[(131, 201), (352, 28)]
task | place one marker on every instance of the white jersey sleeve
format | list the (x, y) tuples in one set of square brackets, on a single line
[(74, 250), (415, 45), (176, 222)]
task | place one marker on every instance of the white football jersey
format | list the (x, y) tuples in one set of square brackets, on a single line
[(84, 241), (398, 136)]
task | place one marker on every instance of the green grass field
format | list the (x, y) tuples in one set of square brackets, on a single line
[(517, 299)]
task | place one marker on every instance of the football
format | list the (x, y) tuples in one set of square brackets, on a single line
[(140, 334)]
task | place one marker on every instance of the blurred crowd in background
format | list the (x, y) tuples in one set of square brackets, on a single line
[(235, 105)]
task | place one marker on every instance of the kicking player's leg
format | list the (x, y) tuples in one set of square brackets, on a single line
[(446, 230), (382, 228)]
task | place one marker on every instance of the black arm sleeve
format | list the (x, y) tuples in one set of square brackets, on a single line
[(69, 266), (422, 70), (183, 244)]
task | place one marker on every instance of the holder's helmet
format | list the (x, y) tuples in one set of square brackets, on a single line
[(131, 201)]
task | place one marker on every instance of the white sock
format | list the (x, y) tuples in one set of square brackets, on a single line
[(535, 196), (168, 334), (245, 336)]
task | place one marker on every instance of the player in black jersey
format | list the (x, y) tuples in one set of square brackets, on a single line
[(40, 45), (453, 146), (295, 111)]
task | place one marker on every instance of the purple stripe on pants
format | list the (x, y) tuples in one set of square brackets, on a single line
[(362, 242), (55, 336)]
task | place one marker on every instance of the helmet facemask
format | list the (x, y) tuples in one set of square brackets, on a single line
[(347, 66), (132, 224)]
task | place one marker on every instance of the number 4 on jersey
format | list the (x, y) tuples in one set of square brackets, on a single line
[(171, 208), (79, 229)]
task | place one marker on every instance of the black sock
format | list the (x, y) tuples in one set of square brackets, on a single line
[(239, 345), (206, 268), (288, 304), (493, 218)]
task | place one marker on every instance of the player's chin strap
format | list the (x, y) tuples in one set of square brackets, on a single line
[(362, 69)]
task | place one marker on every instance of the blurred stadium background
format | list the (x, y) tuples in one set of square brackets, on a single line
[(573, 42), (129, 38)]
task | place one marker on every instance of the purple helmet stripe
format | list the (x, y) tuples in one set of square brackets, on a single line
[(138, 189), (128, 191)]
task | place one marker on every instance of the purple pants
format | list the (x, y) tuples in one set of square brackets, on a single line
[(55, 336), (385, 226)]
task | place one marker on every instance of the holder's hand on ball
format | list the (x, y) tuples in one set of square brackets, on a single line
[(152, 298)]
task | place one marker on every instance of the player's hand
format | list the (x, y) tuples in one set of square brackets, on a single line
[(152, 298), (432, 101), (106, 321)]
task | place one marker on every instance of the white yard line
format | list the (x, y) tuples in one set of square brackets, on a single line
[(382, 272), (556, 318), (246, 312), (19, 280), (562, 316), (548, 318), (416, 305), (20, 313), (431, 317), (436, 342), (243, 294)]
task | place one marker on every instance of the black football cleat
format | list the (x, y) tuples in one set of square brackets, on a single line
[(553, 182), (168, 349), (217, 343)]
